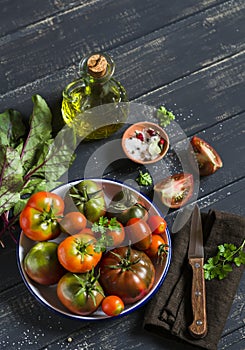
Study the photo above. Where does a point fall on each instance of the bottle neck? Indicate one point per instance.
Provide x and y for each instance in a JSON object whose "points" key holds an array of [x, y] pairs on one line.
{"points": [[97, 68]]}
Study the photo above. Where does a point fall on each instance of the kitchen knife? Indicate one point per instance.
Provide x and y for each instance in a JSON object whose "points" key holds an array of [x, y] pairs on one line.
{"points": [[198, 328]]}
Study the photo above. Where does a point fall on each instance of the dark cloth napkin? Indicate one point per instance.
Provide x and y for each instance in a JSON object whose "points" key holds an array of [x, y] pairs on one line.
{"points": [[169, 313]]}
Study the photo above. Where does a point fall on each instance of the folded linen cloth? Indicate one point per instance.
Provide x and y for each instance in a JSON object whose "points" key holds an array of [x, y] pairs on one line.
{"points": [[169, 313]]}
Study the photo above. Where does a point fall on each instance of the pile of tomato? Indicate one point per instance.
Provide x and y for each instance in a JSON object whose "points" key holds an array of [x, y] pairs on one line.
{"points": [[106, 255]]}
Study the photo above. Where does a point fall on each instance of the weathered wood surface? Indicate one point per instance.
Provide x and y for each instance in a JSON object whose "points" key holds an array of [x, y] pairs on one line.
{"points": [[187, 55]]}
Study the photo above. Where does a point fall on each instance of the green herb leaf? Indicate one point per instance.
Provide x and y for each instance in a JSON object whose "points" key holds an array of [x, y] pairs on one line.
{"points": [[220, 265], [11, 179], [60, 155], [30, 162], [12, 128], [114, 225], [165, 117], [144, 179], [39, 133], [101, 225]]}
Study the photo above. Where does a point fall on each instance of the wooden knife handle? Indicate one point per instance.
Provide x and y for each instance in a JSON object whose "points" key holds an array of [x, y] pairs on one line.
{"points": [[198, 328]]}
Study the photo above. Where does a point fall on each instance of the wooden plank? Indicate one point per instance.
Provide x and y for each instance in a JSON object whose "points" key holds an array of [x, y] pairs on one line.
{"points": [[204, 98], [59, 42], [30, 11]]}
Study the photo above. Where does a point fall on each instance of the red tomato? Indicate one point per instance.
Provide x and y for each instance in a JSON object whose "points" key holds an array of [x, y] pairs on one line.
{"points": [[158, 248], [127, 273], [112, 305], [73, 222], [139, 233], [208, 159], [77, 253], [175, 190], [157, 224], [39, 219]]}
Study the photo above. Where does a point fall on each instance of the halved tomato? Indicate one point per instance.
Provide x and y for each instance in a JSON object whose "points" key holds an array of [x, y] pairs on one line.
{"points": [[175, 190], [208, 159]]}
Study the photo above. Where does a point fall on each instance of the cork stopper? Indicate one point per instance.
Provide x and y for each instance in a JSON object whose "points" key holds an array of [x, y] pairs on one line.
{"points": [[97, 65]]}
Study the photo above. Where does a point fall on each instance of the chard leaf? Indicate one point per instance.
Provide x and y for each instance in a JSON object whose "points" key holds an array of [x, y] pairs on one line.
{"points": [[39, 133], [11, 179], [60, 155], [12, 128], [38, 184], [41, 157], [19, 206]]}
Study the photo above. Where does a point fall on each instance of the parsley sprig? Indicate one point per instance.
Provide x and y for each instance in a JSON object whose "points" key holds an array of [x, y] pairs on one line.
{"points": [[101, 227], [144, 179], [165, 117], [105, 224], [221, 264]]}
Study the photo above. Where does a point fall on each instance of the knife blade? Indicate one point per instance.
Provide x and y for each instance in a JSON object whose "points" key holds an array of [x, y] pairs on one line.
{"points": [[198, 328]]}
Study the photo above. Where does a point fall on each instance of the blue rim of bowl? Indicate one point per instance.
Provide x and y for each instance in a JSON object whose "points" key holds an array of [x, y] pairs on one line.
{"points": [[132, 308]]}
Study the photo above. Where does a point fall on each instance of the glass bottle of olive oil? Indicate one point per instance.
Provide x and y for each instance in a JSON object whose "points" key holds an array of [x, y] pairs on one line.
{"points": [[95, 87]]}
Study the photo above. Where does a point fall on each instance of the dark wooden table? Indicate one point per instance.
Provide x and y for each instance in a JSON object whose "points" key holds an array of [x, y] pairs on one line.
{"points": [[188, 55]]}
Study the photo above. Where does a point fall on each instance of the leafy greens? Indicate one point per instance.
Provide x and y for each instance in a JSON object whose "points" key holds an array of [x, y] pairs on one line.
{"points": [[31, 160]]}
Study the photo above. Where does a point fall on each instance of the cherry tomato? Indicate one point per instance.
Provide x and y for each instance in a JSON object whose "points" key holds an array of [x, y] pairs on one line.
{"points": [[77, 253], [112, 305], [80, 293], [208, 159], [73, 222], [127, 273], [157, 224], [175, 190], [158, 248], [40, 218], [117, 235], [42, 265], [139, 233]]}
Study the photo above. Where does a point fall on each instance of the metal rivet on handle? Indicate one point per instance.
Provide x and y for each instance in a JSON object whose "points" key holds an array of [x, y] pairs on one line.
{"points": [[199, 322]]}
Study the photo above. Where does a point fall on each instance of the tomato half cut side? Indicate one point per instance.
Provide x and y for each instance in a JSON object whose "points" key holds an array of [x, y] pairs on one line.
{"points": [[175, 190], [208, 159]]}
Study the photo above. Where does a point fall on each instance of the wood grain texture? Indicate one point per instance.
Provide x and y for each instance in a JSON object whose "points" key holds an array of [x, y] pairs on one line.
{"points": [[187, 55], [59, 41], [199, 326]]}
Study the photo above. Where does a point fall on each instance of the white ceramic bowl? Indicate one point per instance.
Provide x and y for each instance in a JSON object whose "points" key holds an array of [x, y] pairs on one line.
{"points": [[47, 294]]}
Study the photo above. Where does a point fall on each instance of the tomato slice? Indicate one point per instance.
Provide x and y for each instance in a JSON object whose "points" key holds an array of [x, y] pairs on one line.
{"points": [[208, 159], [175, 190]]}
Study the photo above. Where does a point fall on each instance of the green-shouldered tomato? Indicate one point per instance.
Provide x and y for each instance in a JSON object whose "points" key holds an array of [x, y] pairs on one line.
{"points": [[89, 199], [82, 294], [40, 218], [77, 253], [42, 265]]}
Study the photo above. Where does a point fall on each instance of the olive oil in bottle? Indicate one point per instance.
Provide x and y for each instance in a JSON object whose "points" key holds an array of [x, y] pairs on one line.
{"points": [[95, 87]]}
